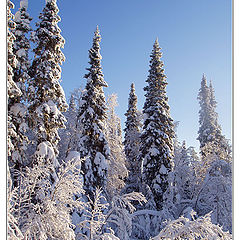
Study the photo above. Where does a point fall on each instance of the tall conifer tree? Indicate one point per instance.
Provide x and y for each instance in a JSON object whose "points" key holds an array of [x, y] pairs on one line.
{"points": [[207, 129], [13, 91], [224, 149], [92, 114], [132, 138], [21, 47], [157, 137], [210, 133], [47, 98], [12, 88], [18, 109]]}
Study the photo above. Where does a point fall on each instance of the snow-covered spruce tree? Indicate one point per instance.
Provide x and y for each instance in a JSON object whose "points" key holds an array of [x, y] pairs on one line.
{"points": [[210, 130], [47, 99], [221, 141], [21, 47], [156, 149], [132, 139], [12, 89], [206, 117], [91, 116], [117, 172], [18, 108]]}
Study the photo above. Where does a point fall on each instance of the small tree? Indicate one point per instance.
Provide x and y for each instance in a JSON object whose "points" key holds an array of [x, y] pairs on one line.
{"points": [[117, 172], [132, 139]]}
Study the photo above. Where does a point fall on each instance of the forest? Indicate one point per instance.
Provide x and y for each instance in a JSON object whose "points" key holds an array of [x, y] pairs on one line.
{"points": [[71, 171]]}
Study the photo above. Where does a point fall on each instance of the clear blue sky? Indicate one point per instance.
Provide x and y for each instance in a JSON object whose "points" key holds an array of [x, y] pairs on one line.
{"points": [[195, 37]]}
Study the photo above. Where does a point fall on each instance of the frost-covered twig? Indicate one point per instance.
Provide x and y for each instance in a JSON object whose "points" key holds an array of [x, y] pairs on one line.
{"points": [[200, 228]]}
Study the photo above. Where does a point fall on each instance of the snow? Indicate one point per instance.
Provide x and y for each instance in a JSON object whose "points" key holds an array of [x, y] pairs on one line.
{"points": [[48, 1], [99, 158], [154, 151], [17, 16], [73, 155], [21, 53], [163, 170], [45, 149], [18, 109], [109, 236], [24, 4]]}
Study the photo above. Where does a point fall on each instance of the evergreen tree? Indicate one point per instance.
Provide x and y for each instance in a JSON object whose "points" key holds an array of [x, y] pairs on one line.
{"points": [[132, 139], [17, 106], [47, 99], [157, 137], [206, 119], [12, 89], [91, 116], [221, 141], [117, 172], [21, 47], [210, 135]]}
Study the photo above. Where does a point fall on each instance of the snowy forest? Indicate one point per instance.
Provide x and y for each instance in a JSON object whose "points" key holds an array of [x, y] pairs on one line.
{"points": [[72, 173]]}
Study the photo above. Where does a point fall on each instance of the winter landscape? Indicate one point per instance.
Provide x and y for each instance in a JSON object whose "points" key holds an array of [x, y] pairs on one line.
{"points": [[76, 170]]}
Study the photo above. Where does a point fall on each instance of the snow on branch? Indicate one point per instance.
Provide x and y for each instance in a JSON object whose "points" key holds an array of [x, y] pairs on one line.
{"points": [[200, 228]]}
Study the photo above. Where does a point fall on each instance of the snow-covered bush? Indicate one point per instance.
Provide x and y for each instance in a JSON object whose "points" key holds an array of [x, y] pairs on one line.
{"points": [[45, 208], [215, 194], [119, 217], [13, 231], [95, 218], [200, 228]]}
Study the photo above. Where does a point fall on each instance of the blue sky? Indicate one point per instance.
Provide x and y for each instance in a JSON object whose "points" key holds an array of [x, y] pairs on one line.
{"points": [[195, 37]]}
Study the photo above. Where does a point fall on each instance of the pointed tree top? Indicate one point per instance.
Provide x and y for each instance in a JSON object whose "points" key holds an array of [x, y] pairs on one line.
{"points": [[49, 1], [24, 4], [204, 79], [132, 86], [210, 84], [97, 34], [156, 42], [97, 30]]}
